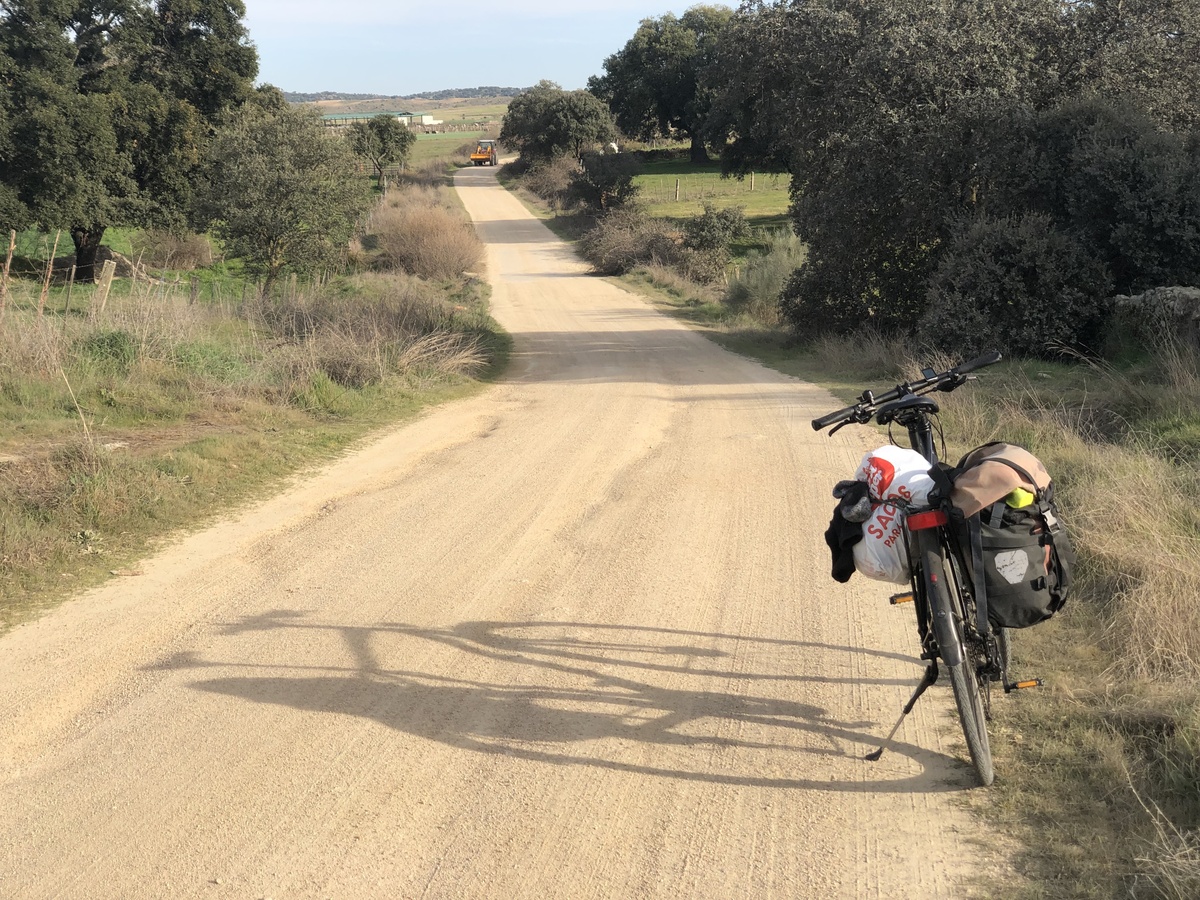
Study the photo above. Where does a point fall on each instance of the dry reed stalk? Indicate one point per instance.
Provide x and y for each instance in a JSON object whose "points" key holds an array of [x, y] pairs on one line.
{"points": [[49, 271], [82, 419]]}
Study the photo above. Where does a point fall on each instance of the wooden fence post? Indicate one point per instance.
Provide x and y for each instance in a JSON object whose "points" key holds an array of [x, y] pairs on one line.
{"points": [[70, 287], [49, 271], [103, 286], [676, 190], [12, 246]]}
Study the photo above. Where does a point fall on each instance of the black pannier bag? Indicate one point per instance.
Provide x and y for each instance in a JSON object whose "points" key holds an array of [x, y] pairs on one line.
{"points": [[1021, 558]]}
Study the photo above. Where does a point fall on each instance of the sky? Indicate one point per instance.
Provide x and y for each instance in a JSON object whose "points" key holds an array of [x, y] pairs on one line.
{"points": [[406, 47]]}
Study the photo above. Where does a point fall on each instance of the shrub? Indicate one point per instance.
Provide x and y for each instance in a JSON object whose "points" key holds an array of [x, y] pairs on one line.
{"points": [[715, 229], [1018, 285], [115, 347], [605, 181], [551, 180], [419, 235], [357, 332], [1109, 176], [756, 287], [163, 250], [706, 240], [626, 238], [1158, 315]]}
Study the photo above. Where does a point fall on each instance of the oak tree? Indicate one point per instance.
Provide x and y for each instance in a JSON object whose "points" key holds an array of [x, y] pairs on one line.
{"points": [[108, 105], [545, 122], [654, 84]]}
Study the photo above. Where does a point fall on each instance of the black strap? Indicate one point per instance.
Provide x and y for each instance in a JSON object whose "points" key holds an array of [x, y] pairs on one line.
{"points": [[978, 579], [1019, 470]]}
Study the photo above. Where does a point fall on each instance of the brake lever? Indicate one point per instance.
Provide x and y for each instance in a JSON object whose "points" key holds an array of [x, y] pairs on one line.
{"points": [[840, 425], [952, 384]]}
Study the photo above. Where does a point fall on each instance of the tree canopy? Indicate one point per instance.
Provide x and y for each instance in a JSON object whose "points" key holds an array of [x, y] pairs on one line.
{"points": [[106, 108], [654, 83], [297, 198], [546, 121], [900, 121], [383, 141]]}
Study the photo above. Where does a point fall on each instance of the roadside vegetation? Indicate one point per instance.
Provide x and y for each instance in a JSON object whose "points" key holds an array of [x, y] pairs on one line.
{"points": [[245, 298], [947, 195]]}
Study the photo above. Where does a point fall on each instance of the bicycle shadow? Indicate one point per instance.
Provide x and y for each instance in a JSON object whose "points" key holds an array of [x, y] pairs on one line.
{"points": [[592, 703]]}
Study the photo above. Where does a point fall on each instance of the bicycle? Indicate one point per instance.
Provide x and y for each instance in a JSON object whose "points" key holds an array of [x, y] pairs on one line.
{"points": [[952, 627]]}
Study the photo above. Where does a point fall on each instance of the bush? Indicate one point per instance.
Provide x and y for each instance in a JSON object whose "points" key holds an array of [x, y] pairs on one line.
{"points": [[755, 289], [1017, 285], [715, 229], [1110, 177], [419, 235], [626, 238], [605, 181], [550, 180], [1157, 316], [163, 250], [115, 347], [706, 240], [357, 332]]}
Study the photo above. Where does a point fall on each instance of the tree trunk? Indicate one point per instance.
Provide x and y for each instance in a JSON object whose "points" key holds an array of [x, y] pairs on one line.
{"points": [[699, 151], [87, 246]]}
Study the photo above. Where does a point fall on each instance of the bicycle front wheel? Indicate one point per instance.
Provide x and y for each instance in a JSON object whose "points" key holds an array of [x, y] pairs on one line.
{"points": [[946, 600]]}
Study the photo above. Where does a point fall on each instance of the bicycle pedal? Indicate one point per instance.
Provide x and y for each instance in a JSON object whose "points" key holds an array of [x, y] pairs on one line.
{"points": [[901, 598], [1022, 685]]}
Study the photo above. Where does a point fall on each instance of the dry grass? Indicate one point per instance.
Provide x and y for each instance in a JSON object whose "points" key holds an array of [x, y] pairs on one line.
{"points": [[418, 231], [163, 250], [115, 428], [1131, 509]]}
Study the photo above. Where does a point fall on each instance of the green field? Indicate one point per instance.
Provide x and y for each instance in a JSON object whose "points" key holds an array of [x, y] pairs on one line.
{"points": [[435, 146], [765, 198]]}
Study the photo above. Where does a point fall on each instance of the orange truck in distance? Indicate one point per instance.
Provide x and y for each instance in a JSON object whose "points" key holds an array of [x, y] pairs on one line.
{"points": [[485, 154]]}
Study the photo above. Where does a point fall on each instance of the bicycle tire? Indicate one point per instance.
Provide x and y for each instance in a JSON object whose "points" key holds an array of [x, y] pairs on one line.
{"points": [[964, 676]]}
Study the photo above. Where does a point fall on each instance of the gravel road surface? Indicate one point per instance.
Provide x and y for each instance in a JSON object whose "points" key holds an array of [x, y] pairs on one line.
{"points": [[572, 638]]}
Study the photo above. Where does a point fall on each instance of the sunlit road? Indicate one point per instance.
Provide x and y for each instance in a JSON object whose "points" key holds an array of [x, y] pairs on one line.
{"points": [[572, 638]]}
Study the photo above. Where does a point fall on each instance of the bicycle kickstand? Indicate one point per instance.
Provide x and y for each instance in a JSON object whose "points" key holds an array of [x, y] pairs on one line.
{"points": [[931, 674]]}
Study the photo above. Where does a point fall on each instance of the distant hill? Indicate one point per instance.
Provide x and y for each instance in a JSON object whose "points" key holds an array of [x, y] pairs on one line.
{"points": [[454, 94]]}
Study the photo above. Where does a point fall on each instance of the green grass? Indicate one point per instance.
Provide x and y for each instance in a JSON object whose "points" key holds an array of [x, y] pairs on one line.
{"points": [[766, 204], [434, 146], [203, 409]]}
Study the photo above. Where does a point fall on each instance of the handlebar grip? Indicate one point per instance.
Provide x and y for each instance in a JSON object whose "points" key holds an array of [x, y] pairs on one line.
{"points": [[832, 417], [989, 358]]}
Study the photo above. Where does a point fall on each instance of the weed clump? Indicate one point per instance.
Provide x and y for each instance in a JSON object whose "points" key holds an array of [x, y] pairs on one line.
{"points": [[417, 233], [627, 238], [755, 287]]}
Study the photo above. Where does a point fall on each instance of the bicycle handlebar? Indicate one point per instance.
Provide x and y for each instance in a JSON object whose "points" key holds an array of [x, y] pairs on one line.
{"points": [[862, 411]]}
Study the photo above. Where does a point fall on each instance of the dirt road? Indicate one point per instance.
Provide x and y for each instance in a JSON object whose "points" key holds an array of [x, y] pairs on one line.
{"points": [[573, 638]]}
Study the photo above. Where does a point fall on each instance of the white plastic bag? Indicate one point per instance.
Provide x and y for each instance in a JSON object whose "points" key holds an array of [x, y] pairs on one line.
{"points": [[891, 473]]}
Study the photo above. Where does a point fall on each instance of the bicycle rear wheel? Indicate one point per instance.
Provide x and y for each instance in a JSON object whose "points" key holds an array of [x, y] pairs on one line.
{"points": [[946, 598]]}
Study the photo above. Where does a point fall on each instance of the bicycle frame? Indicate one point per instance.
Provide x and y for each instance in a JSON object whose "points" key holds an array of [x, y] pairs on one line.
{"points": [[950, 625], [934, 607]]}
